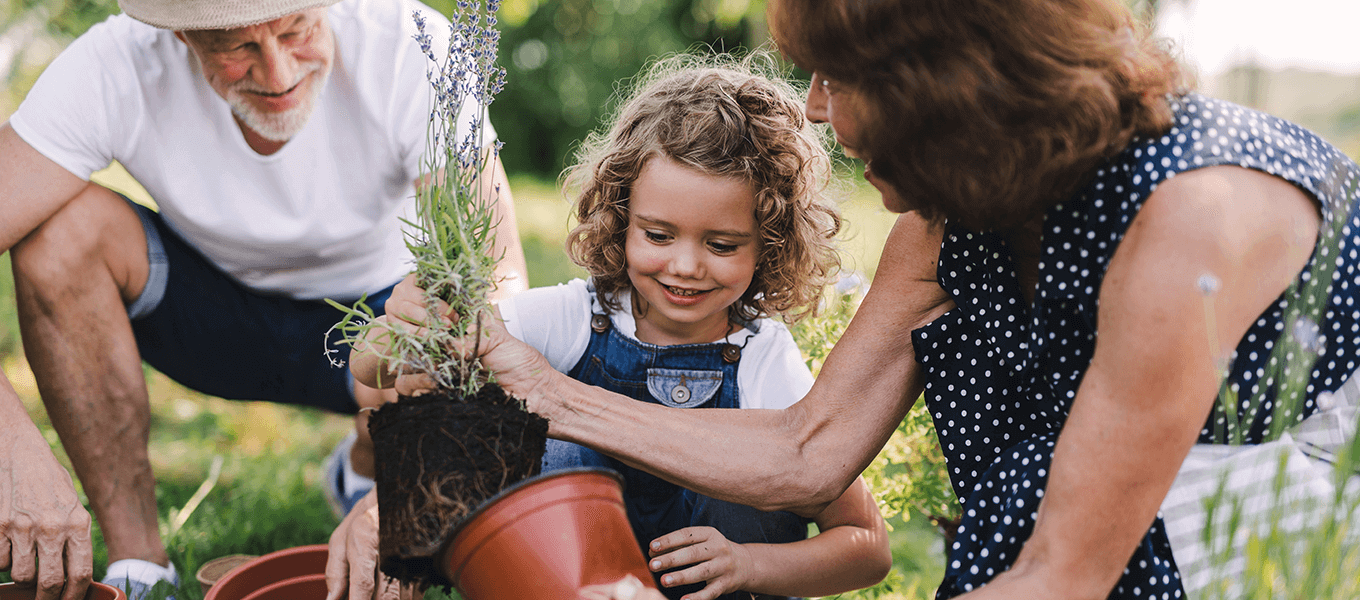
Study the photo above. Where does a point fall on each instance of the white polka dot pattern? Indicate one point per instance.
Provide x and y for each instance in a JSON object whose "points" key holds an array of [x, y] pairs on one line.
{"points": [[1001, 375]]}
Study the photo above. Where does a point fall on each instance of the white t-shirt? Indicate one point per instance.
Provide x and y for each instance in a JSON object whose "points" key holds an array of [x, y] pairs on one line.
{"points": [[556, 321], [318, 218]]}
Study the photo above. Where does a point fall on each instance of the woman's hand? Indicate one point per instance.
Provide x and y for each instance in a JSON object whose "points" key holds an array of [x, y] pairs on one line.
{"points": [[725, 565]]}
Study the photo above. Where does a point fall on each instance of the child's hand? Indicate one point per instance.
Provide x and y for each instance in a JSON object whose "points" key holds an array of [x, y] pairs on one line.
{"points": [[725, 565]]}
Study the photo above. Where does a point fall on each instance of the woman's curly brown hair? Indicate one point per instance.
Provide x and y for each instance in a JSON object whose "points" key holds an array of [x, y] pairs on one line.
{"points": [[726, 117], [985, 112]]}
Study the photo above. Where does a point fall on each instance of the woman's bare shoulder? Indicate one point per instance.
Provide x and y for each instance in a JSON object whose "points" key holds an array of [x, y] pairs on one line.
{"points": [[1233, 210]]}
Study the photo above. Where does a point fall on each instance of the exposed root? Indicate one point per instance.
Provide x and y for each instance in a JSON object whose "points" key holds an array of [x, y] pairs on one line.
{"points": [[438, 459]]}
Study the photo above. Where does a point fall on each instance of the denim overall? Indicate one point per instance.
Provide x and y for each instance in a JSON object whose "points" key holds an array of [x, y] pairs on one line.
{"points": [[684, 376]]}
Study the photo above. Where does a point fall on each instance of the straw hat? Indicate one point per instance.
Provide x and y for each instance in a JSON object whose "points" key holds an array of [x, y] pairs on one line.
{"points": [[213, 14]]}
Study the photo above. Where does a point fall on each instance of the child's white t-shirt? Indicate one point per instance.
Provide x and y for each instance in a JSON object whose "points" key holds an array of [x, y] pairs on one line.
{"points": [[320, 217], [556, 321]]}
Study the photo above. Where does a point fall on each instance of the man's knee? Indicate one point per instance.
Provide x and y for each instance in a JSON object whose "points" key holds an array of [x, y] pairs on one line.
{"points": [[97, 231]]}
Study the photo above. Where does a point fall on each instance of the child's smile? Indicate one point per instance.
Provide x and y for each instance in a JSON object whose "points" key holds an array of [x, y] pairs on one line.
{"points": [[691, 251]]}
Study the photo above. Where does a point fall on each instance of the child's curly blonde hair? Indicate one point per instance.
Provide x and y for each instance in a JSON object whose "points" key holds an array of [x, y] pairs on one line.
{"points": [[726, 117]]}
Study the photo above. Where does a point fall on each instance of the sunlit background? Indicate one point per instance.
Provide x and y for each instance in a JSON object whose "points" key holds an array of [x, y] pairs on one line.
{"points": [[1298, 59]]}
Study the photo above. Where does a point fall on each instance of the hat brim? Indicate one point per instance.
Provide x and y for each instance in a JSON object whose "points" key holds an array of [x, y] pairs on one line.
{"points": [[181, 15]]}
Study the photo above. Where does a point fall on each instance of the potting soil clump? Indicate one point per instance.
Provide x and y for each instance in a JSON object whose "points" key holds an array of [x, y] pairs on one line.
{"points": [[439, 456]]}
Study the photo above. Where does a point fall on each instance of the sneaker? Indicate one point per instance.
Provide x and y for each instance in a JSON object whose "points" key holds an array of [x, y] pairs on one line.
{"points": [[343, 487], [143, 580]]}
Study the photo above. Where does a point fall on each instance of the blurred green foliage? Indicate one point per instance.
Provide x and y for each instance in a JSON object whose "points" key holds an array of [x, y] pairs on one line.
{"points": [[563, 58], [65, 18], [9, 319]]}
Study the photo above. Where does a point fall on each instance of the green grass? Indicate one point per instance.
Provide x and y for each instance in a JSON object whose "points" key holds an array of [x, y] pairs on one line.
{"points": [[268, 495]]}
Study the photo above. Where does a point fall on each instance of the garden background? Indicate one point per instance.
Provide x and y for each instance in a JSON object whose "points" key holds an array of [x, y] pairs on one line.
{"points": [[242, 477]]}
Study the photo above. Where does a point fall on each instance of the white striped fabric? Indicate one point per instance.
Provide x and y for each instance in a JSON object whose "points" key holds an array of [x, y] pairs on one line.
{"points": [[1289, 481]]}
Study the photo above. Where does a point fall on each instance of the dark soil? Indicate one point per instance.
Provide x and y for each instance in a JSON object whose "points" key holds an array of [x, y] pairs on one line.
{"points": [[438, 458]]}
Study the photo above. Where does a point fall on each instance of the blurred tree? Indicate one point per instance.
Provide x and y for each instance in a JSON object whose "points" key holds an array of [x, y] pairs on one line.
{"points": [[70, 18], [564, 57]]}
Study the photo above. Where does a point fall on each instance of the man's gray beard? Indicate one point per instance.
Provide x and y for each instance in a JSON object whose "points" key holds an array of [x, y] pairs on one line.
{"points": [[278, 126]]}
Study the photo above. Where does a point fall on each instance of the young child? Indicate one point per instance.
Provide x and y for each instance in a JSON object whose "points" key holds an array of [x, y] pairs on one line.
{"points": [[702, 213]]}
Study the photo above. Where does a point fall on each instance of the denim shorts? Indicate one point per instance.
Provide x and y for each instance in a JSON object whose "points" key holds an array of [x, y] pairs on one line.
{"points": [[205, 330]]}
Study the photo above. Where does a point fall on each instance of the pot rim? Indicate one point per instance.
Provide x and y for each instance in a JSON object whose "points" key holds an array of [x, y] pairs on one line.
{"points": [[254, 563], [523, 483], [94, 585]]}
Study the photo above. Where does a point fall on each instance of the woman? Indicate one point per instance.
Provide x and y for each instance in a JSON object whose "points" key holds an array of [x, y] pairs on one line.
{"points": [[1055, 183]]}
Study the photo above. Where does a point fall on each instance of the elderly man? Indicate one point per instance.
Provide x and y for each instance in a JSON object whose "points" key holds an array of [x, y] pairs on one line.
{"points": [[281, 140]]}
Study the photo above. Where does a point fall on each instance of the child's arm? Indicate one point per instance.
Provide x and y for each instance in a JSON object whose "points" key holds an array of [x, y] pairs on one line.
{"points": [[850, 553]]}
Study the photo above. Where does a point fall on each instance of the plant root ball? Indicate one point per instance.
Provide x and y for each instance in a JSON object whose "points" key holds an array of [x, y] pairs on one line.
{"points": [[439, 456]]}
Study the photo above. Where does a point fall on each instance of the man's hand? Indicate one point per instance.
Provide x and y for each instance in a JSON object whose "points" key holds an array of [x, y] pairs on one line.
{"points": [[352, 567], [44, 530]]}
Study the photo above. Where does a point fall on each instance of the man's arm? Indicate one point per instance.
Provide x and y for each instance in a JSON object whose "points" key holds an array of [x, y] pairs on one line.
{"points": [[512, 270], [44, 530], [32, 188]]}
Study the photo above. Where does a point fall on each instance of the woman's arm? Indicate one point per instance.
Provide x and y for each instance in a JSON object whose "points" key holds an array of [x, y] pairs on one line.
{"points": [[850, 553], [800, 458], [1155, 372]]}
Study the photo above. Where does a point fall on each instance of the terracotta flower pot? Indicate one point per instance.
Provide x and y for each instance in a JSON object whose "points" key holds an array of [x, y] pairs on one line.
{"points": [[297, 588], [214, 570], [96, 591], [282, 570], [545, 538]]}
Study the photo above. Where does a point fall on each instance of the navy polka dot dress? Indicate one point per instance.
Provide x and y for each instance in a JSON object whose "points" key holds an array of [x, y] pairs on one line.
{"points": [[1001, 375]]}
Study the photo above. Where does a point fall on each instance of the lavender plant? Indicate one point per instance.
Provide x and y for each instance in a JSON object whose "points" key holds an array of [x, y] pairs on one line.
{"points": [[440, 455], [452, 239]]}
